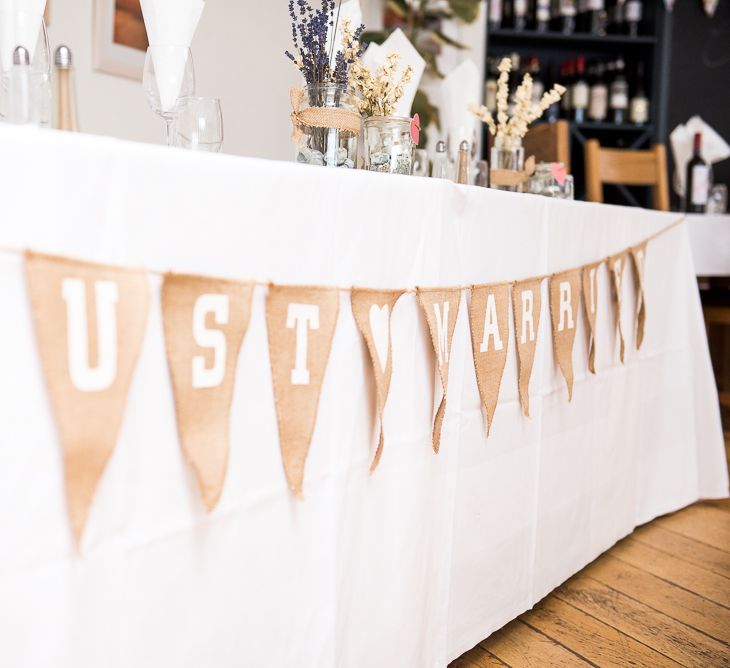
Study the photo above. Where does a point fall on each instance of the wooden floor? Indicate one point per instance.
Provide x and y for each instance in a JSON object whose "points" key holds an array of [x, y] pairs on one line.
{"points": [[660, 597]]}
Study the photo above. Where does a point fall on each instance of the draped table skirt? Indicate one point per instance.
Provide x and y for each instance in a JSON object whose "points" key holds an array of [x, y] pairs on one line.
{"points": [[409, 566]]}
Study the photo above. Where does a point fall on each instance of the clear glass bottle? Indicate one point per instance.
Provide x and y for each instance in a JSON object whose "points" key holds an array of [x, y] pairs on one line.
{"points": [[328, 146], [389, 147], [440, 168]]}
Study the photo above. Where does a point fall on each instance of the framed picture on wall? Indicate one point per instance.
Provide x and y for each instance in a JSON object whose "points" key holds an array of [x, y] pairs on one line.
{"points": [[120, 38]]}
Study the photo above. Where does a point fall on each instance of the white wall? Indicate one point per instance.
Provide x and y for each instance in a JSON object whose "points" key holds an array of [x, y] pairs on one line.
{"points": [[239, 57]]}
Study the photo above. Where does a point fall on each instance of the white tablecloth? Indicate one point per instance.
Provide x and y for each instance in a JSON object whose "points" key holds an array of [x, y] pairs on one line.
{"points": [[709, 237], [408, 567]]}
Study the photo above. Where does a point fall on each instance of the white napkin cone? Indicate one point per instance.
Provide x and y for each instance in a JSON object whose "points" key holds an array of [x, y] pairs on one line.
{"points": [[459, 89], [170, 23], [20, 22], [714, 148], [397, 42]]}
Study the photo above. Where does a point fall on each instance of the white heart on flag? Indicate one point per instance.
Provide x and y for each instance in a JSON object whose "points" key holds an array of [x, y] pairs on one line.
{"points": [[379, 321]]}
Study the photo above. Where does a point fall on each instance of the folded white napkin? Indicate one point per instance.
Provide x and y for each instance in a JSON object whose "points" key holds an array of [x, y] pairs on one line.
{"points": [[20, 22], [714, 148], [459, 89], [397, 42], [170, 23]]}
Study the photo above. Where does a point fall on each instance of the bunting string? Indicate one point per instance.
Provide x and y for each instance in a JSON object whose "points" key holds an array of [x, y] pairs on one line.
{"points": [[90, 321]]}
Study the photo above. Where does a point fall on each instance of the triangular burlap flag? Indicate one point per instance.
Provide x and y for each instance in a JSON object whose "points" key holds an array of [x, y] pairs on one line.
{"points": [[564, 304], [90, 323], [616, 265], [590, 298], [301, 323], [373, 310], [638, 253], [489, 320], [205, 320], [441, 307], [526, 301]]}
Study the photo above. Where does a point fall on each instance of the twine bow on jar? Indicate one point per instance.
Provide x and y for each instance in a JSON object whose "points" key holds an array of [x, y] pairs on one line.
{"points": [[344, 120], [511, 177]]}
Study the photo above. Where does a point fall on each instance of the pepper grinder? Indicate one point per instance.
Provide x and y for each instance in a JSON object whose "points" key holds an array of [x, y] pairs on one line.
{"points": [[65, 108], [462, 164]]}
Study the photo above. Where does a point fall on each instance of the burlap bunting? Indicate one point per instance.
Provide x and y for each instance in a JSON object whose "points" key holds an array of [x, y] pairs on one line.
{"points": [[205, 321], [441, 308], [616, 266], [90, 322], [301, 323], [372, 310], [489, 320], [565, 289], [526, 301], [338, 118], [638, 254], [590, 298]]}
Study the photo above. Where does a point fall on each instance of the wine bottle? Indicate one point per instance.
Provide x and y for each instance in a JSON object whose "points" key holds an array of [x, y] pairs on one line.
{"points": [[697, 181], [507, 13], [538, 87], [639, 105], [632, 17], [542, 15], [598, 104], [567, 10], [579, 92], [519, 11], [553, 111], [595, 17], [618, 100], [490, 87], [65, 117], [495, 15], [567, 73], [616, 18], [581, 7]]}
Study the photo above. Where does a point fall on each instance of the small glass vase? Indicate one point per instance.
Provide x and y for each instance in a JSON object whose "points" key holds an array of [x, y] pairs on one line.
{"points": [[507, 154], [389, 147], [327, 146]]}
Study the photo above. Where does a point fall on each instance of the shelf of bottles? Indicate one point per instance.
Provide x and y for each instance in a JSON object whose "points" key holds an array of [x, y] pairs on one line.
{"points": [[606, 53]]}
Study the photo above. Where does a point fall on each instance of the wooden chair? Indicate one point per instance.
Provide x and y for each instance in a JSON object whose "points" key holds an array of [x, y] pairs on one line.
{"points": [[549, 142], [627, 167]]}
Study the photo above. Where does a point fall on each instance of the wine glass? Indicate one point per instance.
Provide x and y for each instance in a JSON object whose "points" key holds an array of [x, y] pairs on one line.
{"points": [[32, 75], [199, 124], [168, 78]]}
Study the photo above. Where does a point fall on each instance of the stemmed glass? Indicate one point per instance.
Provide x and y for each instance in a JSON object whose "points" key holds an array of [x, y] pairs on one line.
{"points": [[168, 78], [199, 124], [32, 79]]}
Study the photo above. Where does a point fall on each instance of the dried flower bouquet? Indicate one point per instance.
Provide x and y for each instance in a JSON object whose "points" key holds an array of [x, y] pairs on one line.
{"points": [[378, 92], [515, 127]]}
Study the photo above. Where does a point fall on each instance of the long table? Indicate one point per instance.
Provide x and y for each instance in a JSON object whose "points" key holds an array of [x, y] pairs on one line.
{"points": [[409, 566]]}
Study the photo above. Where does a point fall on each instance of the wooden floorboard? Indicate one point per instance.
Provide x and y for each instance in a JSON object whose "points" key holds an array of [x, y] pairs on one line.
{"points": [[660, 597]]}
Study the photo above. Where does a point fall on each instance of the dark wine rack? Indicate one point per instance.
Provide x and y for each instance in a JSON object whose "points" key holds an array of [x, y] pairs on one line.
{"points": [[652, 46]]}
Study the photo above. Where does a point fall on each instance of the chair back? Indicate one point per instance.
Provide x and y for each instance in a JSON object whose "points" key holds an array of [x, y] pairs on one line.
{"points": [[549, 142], [627, 167]]}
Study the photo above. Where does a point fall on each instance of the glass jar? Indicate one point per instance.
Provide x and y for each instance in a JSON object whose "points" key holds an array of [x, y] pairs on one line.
{"points": [[507, 154], [318, 144], [551, 180], [389, 147]]}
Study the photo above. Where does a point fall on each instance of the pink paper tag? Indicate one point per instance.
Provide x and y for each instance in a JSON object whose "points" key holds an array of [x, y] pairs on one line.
{"points": [[416, 129], [559, 172]]}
